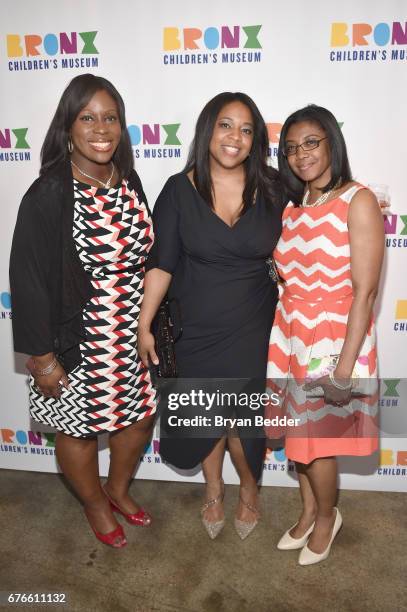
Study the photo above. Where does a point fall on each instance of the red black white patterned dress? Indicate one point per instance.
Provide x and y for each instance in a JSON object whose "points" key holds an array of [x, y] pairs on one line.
{"points": [[110, 389]]}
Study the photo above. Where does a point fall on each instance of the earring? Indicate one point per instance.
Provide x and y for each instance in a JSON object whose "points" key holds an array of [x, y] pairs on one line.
{"points": [[70, 145]]}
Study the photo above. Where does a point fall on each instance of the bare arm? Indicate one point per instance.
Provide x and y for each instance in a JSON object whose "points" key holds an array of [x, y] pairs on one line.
{"points": [[366, 237], [156, 285], [162, 262]]}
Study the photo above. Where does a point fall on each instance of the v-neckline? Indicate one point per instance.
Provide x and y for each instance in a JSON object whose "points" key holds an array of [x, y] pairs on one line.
{"points": [[214, 214]]}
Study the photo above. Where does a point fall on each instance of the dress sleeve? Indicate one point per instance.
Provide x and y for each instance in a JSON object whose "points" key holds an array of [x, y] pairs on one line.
{"points": [[29, 270], [166, 249]]}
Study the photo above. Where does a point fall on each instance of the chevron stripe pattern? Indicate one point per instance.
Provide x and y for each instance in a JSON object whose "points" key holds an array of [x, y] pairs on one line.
{"points": [[313, 257], [111, 388]]}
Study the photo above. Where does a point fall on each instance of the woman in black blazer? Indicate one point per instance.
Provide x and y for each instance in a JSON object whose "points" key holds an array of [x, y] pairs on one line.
{"points": [[77, 271]]}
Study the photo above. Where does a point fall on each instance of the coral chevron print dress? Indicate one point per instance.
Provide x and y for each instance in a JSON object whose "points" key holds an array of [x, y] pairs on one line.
{"points": [[111, 388], [313, 257]]}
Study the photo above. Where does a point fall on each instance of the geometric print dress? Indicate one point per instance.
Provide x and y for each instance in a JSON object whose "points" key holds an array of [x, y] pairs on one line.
{"points": [[313, 258], [110, 389]]}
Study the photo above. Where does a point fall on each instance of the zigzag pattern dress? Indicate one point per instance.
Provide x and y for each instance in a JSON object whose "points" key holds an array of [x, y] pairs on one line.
{"points": [[313, 257], [110, 389]]}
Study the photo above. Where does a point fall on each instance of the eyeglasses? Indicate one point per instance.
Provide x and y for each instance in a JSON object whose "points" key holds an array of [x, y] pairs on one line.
{"points": [[308, 145]]}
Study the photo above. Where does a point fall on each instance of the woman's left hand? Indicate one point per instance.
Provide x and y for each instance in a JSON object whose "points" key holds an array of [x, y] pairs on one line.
{"points": [[332, 395]]}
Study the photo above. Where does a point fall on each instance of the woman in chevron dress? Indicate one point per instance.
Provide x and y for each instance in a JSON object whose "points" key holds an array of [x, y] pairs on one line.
{"points": [[77, 271], [329, 257]]}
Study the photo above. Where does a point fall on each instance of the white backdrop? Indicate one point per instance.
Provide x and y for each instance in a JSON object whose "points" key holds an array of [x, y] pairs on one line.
{"points": [[284, 55]]}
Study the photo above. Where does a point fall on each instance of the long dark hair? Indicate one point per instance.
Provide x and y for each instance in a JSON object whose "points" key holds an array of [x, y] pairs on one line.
{"points": [[340, 168], [78, 93], [259, 176]]}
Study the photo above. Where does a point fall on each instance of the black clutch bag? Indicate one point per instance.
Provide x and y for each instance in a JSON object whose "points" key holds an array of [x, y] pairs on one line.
{"points": [[163, 330]]}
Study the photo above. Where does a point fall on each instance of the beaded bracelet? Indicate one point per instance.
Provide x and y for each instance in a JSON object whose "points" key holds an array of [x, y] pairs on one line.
{"points": [[48, 369], [337, 385]]}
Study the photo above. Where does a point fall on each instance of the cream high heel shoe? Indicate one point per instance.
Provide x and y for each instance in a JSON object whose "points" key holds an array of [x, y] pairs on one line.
{"points": [[244, 528], [308, 557], [287, 542], [213, 528]]}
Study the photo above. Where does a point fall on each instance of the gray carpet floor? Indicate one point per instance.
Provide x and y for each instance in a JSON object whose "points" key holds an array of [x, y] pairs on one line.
{"points": [[47, 545]]}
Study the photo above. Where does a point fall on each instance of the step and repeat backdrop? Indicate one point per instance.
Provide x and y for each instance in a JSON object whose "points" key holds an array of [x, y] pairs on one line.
{"points": [[168, 59]]}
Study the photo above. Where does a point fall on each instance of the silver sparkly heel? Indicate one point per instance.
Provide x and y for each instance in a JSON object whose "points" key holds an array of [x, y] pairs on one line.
{"points": [[244, 528], [213, 528]]}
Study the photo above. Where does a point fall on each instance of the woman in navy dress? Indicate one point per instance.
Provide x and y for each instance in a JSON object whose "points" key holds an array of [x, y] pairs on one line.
{"points": [[215, 224]]}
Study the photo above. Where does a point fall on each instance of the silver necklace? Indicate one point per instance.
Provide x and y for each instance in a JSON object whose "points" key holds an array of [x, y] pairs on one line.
{"points": [[106, 184]]}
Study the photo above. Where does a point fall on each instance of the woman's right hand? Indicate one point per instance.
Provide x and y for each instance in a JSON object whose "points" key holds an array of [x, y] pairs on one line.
{"points": [[146, 347], [51, 385]]}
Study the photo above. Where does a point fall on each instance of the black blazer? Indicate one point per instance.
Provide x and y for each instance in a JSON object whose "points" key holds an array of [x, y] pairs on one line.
{"points": [[49, 286]]}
